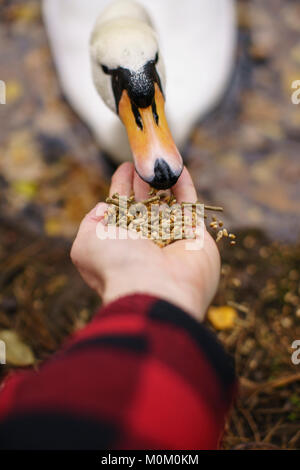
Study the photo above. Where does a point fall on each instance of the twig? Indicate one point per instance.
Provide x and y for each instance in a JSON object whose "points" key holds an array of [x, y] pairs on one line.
{"points": [[272, 431], [254, 387], [249, 418], [294, 440], [240, 307]]}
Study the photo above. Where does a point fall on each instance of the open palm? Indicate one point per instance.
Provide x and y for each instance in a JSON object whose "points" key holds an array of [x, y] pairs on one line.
{"points": [[116, 267]]}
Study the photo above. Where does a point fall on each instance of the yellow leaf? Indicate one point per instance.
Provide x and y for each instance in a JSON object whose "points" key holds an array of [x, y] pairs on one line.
{"points": [[17, 353], [25, 188], [56, 284], [222, 318], [26, 12], [53, 227], [22, 156], [14, 91], [295, 53]]}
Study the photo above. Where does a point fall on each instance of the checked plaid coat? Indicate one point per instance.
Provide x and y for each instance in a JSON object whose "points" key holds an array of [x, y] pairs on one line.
{"points": [[142, 375]]}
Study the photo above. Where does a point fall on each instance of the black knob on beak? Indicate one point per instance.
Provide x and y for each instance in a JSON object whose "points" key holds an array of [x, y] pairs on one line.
{"points": [[164, 177]]}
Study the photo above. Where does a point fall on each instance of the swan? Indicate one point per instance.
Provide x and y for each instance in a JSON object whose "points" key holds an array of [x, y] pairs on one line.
{"points": [[123, 50]]}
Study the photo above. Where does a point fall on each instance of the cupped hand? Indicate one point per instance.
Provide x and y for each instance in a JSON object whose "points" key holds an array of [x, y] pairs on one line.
{"points": [[118, 267]]}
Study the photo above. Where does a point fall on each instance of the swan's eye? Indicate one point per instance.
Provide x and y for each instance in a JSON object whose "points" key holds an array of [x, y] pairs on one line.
{"points": [[105, 69], [156, 58]]}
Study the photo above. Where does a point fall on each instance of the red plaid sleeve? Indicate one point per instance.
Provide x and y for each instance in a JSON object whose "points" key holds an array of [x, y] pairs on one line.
{"points": [[142, 375]]}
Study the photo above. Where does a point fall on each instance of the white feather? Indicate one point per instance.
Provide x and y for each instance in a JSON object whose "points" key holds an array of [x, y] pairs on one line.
{"points": [[197, 39]]}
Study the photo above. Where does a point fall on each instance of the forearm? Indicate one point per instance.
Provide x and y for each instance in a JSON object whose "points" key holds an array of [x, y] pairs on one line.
{"points": [[142, 374]]}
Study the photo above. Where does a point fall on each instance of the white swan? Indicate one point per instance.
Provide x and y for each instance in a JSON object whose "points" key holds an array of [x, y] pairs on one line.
{"points": [[197, 40]]}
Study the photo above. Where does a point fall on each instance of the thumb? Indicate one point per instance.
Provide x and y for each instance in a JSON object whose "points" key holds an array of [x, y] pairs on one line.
{"points": [[95, 215], [88, 226]]}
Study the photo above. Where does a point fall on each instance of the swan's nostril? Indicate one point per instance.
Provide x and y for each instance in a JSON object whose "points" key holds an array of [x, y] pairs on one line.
{"points": [[164, 177]]}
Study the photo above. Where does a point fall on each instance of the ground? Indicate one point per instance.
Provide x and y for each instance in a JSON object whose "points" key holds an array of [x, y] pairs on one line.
{"points": [[244, 156]]}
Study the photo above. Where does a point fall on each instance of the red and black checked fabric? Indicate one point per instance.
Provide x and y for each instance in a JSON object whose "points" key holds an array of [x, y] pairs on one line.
{"points": [[142, 375]]}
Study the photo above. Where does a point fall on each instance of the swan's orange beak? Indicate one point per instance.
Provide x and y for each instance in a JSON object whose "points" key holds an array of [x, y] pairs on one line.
{"points": [[156, 158]]}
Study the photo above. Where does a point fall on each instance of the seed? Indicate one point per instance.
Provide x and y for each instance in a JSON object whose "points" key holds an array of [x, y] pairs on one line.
{"points": [[151, 199], [219, 236], [214, 208], [139, 221], [111, 211], [112, 201], [153, 234], [162, 225], [152, 191]]}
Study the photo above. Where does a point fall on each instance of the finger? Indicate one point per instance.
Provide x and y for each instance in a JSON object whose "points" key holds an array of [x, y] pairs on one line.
{"points": [[96, 214], [140, 188], [87, 234], [91, 219], [86, 227], [184, 190], [122, 180]]}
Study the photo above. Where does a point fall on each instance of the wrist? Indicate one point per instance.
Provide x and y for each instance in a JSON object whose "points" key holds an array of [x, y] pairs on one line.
{"points": [[138, 280], [133, 280]]}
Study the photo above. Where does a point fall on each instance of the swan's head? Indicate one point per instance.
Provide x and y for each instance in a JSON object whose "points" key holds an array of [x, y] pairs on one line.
{"points": [[128, 72]]}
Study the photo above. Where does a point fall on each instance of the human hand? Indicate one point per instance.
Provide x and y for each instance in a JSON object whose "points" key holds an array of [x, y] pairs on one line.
{"points": [[118, 267]]}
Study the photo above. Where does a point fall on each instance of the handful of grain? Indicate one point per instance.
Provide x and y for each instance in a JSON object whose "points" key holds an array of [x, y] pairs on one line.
{"points": [[161, 218]]}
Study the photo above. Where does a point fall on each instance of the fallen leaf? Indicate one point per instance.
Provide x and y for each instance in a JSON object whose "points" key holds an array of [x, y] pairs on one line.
{"points": [[56, 284], [26, 13], [17, 353], [295, 53], [14, 91], [222, 318], [53, 227], [22, 156], [25, 188]]}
